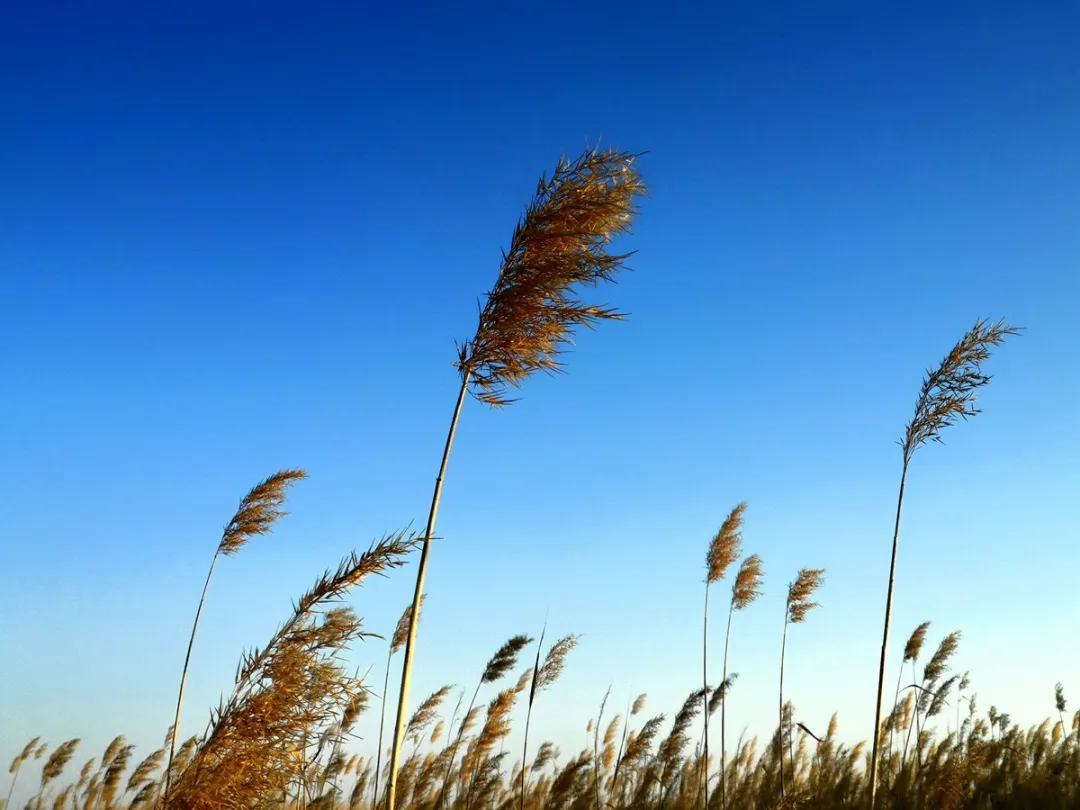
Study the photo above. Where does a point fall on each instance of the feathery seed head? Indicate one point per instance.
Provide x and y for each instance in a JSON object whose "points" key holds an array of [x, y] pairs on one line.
{"points": [[505, 658], [719, 695], [1059, 697], [425, 713], [747, 586], [948, 392], [23, 755], [725, 546], [639, 704], [258, 511], [914, 644], [936, 666], [554, 662], [54, 765], [559, 244], [401, 630], [800, 591]]}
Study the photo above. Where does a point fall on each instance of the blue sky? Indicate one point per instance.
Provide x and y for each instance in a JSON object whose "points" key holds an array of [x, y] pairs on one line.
{"points": [[241, 237]]}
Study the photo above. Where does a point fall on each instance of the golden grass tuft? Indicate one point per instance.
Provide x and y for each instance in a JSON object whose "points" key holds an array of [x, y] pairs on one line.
{"points": [[915, 642], [747, 586], [800, 592], [948, 392], [725, 546], [259, 510], [559, 244]]}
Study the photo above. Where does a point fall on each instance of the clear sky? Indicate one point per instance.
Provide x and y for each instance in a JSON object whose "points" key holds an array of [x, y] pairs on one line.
{"points": [[237, 237]]}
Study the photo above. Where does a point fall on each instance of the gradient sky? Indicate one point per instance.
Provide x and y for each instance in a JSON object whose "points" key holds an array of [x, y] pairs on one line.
{"points": [[237, 237]]}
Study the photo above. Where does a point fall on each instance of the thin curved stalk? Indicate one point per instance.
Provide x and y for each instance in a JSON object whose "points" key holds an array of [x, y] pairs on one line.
{"points": [[723, 715], [183, 677], [705, 694], [382, 721], [454, 747], [410, 643], [885, 642], [783, 651]]}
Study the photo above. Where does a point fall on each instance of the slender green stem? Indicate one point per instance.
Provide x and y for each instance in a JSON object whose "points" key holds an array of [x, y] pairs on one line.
{"points": [[382, 721], [454, 748], [723, 714], [410, 643], [705, 693], [613, 794], [885, 641], [11, 790], [783, 651], [183, 678]]}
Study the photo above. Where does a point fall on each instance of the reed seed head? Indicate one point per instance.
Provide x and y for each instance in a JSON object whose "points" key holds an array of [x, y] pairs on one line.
{"points": [[23, 755], [559, 244], [258, 511], [426, 713], [747, 586], [505, 658], [639, 704], [725, 546], [56, 762], [936, 666], [915, 642], [554, 663], [1059, 697], [948, 392], [401, 630], [801, 590], [720, 694]]}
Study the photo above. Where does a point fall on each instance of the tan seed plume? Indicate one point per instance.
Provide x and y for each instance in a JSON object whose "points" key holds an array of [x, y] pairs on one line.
{"points": [[559, 244], [56, 762], [948, 392], [726, 545], [747, 586], [259, 510], [915, 642], [401, 630], [935, 668], [800, 592]]}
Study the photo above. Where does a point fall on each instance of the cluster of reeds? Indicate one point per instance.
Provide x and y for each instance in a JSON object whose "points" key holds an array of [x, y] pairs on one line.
{"points": [[280, 738], [459, 761]]}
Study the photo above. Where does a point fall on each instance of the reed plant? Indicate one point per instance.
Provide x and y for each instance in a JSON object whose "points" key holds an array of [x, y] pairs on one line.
{"points": [[797, 607], [744, 591], [259, 510], [947, 395], [530, 315]]}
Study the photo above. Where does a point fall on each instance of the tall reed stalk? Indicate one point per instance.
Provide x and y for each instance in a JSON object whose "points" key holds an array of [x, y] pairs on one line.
{"points": [[531, 313], [744, 591], [259, 510], [798, 606], [724, 550], [947, 394], [543, 675], [504, 660], [397, 641]]}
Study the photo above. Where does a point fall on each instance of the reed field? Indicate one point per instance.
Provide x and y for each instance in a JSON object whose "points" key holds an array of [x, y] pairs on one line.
{"points": [[282, 736]]}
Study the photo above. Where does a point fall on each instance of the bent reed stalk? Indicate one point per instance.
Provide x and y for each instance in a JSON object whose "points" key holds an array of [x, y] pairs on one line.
{"points": [[530, 315], [947, 395]]}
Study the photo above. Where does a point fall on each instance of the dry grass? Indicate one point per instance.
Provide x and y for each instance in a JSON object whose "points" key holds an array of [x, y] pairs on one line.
{"points": [[279, 740], [947, 394], [266, 753], [559, 245]]}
